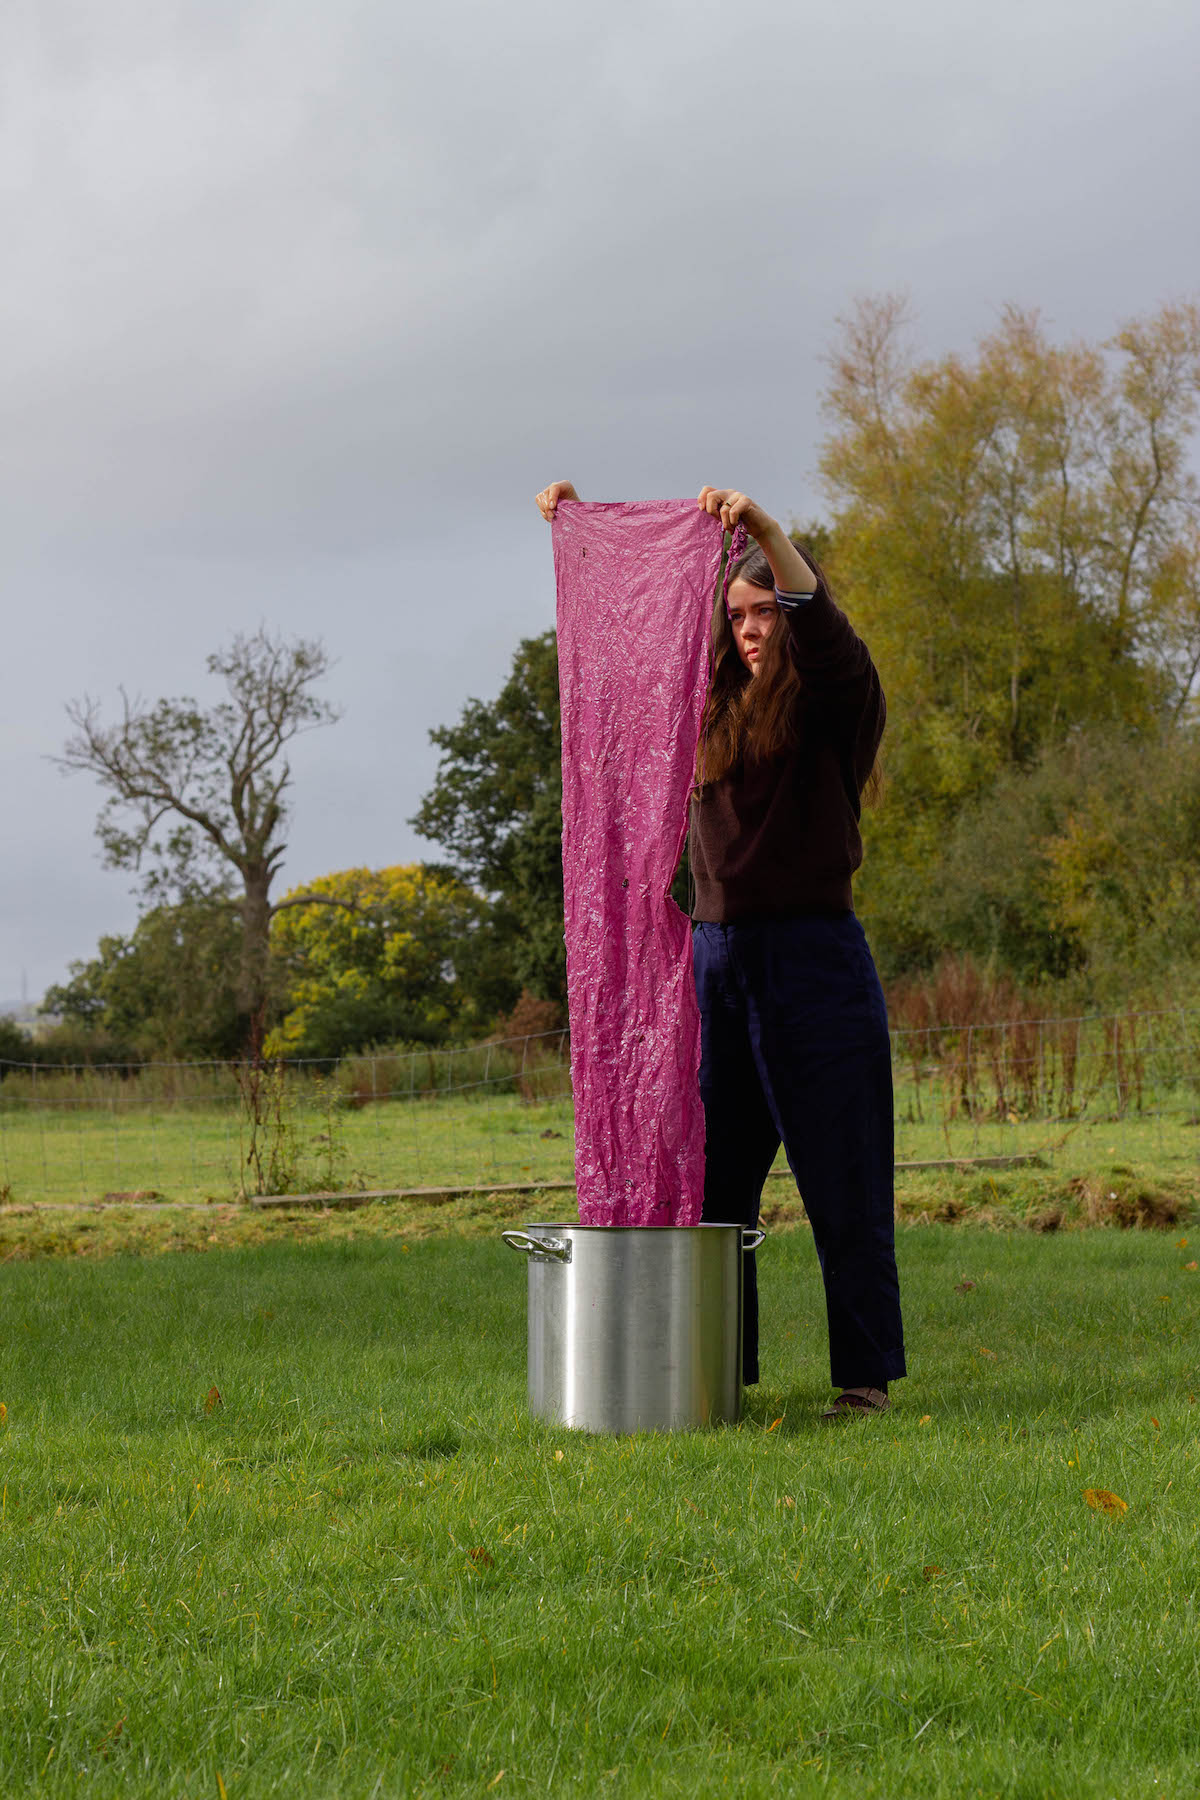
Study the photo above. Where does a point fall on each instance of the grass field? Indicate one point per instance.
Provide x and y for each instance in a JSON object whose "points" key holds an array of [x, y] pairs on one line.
{"points": [[363, 1571], [197, 1152]]}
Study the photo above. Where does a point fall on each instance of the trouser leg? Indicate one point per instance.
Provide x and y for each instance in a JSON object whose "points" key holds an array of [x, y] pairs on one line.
{"points": [[818, 1026], [740, 1136]]}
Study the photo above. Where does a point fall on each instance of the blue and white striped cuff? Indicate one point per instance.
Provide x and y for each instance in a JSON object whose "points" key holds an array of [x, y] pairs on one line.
{"points": [[789, 602]]}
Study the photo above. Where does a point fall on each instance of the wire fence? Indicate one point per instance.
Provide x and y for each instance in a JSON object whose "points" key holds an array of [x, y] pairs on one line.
{"points": [[1076, 1091]]}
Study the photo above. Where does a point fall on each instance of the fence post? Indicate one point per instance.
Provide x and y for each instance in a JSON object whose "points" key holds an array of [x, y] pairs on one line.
{"points": [[972, 1109]]}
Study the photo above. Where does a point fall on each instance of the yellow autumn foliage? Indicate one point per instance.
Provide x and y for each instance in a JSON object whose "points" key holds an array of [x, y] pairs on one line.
{"points": [[375, 960]]}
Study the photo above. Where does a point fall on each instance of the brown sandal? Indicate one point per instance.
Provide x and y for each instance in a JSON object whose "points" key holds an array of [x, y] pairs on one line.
{"points": [[856, 1406]]}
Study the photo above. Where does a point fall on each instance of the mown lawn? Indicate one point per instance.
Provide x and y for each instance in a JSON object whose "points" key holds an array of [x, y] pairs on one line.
{"points": [[362, 1570], [197, 1152], [71, 1152]]}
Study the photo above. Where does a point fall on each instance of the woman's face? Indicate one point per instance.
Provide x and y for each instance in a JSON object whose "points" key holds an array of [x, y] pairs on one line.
{"points": [[752, 616]]}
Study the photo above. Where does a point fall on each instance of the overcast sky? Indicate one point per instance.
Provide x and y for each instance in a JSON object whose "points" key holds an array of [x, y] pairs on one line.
{"points": [[302, 303]]}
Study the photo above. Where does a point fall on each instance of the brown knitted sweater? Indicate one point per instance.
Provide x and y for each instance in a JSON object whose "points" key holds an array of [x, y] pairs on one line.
{"points": [[777, 838]]}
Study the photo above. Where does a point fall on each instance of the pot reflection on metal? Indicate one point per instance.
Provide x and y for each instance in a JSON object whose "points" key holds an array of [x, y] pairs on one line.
{"points": [[635, 1328]]}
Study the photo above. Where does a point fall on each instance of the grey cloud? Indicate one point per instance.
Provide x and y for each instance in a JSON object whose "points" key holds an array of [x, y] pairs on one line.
{"points": [[304, 301]]}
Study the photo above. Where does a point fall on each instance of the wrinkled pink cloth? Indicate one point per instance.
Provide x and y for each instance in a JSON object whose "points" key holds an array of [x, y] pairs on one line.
{"points": [[635, 590]]}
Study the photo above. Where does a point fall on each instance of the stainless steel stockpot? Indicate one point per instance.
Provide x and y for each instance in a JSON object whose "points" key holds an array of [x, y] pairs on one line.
{"points": [[635, 1328]]}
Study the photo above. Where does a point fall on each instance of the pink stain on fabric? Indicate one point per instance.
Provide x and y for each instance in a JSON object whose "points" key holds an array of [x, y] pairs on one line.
{"points": [[635, 591]]}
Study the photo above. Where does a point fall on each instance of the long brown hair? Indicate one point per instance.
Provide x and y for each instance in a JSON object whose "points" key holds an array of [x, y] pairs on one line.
{"points": [[745, 716], [753, 717]]}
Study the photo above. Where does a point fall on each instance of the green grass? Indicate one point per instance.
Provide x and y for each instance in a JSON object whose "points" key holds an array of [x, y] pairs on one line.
{"points": [[196, 1152], [367, 1572]]}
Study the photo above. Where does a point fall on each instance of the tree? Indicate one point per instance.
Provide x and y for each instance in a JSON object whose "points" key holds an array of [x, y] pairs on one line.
{"points": [[1124, 864], [1088, 863], [1015, 533], [495, 809], [405, 958], [197, 793], [1171, 624], [170, 988], [15, 1044]]}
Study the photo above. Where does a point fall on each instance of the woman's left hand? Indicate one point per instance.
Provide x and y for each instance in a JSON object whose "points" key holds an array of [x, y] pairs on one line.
{"points": [[792, 574], [735, 508]]}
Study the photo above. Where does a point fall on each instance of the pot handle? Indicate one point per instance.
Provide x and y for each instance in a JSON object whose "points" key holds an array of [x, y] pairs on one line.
{"points": [[752, 1237], [553, 1249]]}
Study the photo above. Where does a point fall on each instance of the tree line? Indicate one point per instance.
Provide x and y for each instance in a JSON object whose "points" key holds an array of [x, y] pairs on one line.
{"points": [[1016, 534]]}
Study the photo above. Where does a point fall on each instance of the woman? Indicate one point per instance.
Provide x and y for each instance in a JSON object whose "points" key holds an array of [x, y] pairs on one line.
{"points": [[794, 1031]]}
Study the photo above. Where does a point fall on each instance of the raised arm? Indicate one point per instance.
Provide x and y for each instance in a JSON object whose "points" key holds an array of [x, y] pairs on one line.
{"points": [[792, 574]]}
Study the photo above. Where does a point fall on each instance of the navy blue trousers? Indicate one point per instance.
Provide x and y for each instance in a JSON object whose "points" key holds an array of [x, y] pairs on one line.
{"points": [[794, 1049]]}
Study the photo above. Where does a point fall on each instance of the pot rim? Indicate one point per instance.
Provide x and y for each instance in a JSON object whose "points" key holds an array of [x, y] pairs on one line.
{"points": [[655, 1230]]}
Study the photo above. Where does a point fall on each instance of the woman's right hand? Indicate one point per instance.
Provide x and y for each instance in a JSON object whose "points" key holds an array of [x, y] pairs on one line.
{"points": [[550, 496]]}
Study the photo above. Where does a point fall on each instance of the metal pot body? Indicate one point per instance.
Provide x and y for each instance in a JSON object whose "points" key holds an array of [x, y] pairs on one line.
{"points": [[635, 1328]]}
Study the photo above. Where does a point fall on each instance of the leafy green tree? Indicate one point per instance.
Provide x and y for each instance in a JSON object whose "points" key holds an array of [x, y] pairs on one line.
{"points": [[170, 987], [14, 1043], [495, 809], [1015, 534], [1125, 861], [404, 957], [994, 894], [1087, 864]]}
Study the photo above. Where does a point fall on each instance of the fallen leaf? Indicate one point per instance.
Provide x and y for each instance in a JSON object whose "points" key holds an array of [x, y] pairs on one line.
{"points": [[984, 1352], [496, 1780], [3, 1415], [481, 1559], [774, 1422], [788, 1501], [1181, 1244], [1155, 1423], [1191, 1267], [110, 1735], [558, 1456], [1101, 1500], [924, 1419], [932, 1570], [963, 1287], [212, 1400]]}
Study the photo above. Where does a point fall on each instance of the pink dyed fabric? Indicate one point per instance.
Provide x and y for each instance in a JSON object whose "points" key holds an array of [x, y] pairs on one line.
{"points": [[635, 589]]}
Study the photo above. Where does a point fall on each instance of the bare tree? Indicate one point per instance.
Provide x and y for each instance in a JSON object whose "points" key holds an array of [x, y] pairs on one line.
{"points": [[196, 794]]}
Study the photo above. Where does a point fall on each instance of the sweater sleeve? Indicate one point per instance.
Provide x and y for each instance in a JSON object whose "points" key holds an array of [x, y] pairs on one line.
{"points": [[836, 668]]}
